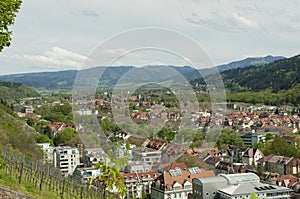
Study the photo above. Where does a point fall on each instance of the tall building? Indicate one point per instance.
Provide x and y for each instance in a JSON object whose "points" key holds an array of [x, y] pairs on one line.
{"points": [[233, 186], [66, 159]]}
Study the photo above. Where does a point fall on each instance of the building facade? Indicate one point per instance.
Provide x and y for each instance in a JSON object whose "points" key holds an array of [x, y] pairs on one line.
{"points": [[148, 156], [233, 186], [138, 184], [252, 138], [48, 152], [66, 159], [93, 155], [176, 183]]}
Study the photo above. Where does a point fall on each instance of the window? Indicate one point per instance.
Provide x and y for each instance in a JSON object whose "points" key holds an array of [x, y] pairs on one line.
{"points": [[188, 186]]}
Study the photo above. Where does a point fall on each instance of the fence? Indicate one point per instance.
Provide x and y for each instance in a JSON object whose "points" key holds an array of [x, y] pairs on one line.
{"points": [[46, 177]]}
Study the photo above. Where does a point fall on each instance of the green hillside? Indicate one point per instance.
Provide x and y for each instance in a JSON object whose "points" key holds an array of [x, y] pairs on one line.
{"points": [[277, 76], [276, 83], [12, 90], [15, 133]]}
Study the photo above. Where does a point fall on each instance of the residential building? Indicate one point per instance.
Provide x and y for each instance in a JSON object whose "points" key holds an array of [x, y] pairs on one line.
{"points": [[280, 164], [137, 166], [66, 159], [48, 152], [233, 186], [251, 156], [177, 182], [57, 127], [26, 109], [93, 155], [155, 144], [85, 174], [139, 183], [252, 138], [148, 156]]}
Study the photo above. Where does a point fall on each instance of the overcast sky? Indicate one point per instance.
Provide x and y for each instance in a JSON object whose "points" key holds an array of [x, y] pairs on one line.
{"points": [[60, 34]]}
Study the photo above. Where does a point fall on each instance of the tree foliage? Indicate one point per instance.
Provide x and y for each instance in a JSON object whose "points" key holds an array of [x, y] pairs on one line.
{"points": [[66, 135], [57, 113], [110, 177], [8, 10], [167, 134], [13, 91], [30, 122], [229, 136], [42, 138], [281, 147], [254, 196]]}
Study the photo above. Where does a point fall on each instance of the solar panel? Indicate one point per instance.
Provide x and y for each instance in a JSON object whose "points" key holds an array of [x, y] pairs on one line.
{"points": [[175, 172], [257, 188], [194, 170], [271, 187]]}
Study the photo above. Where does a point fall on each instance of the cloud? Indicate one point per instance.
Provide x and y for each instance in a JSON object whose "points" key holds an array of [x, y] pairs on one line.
{"points": [[226, 22], [242, 21], [55, 58], [86, 13], [115, 52]]}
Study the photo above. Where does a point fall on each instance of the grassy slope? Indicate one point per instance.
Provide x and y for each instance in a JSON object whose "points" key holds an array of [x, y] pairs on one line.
{"points": [[15, 133], [25, 188]]}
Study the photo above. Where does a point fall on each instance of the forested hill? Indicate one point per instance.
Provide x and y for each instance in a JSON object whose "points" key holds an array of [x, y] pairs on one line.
{"points": [[250, 61], [276, 83], [278, 76], [12, 91], [65, 79], [15, 133], [44, 80]]}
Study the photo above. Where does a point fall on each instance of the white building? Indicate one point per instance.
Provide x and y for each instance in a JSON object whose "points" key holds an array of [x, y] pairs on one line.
{"points": [[233, 186], [137, 166], [48, 152], [93, 155], [66, 159], [176, 183], [138, 183], [148, 156], [85, 174]]}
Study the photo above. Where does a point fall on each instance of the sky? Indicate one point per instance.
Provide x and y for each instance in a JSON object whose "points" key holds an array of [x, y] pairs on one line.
{"points": [[53, 35]]}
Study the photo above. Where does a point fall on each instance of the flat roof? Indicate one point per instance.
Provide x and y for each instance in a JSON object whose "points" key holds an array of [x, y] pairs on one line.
{"points": [[248, 188]]}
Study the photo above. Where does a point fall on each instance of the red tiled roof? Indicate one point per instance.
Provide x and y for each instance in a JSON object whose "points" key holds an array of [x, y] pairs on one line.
{"points": [[168, 181], [148, 175], [173, 165]]}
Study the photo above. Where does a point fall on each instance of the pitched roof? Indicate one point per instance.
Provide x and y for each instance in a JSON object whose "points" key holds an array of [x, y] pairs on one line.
{"points": [[173, 165], [140, 176], [167, 180]]}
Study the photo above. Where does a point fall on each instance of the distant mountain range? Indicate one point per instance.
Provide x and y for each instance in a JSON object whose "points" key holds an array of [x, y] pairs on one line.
{"points": [[65, 79], [250, 61]]}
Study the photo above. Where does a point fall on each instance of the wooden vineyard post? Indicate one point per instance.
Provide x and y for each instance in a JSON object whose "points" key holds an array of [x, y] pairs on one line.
{"points": [[41, 181], [21, 172], [62, 190]]}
